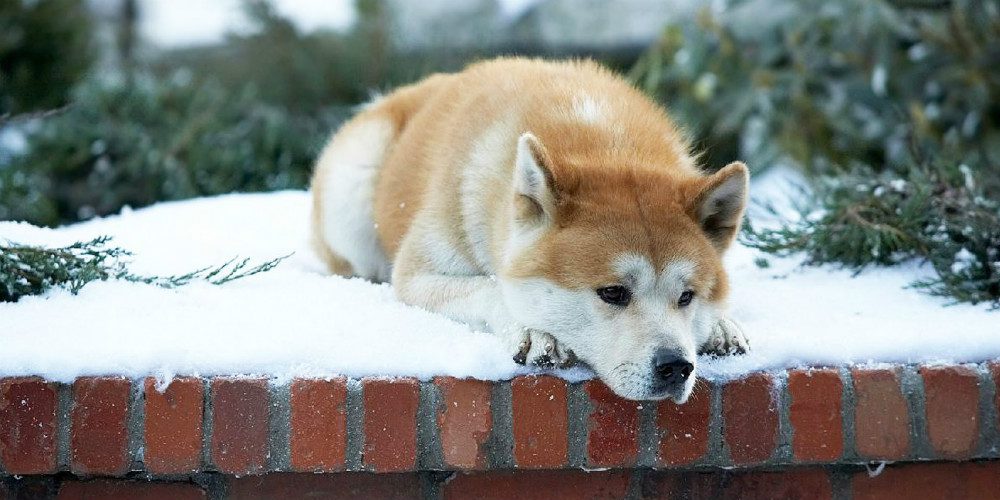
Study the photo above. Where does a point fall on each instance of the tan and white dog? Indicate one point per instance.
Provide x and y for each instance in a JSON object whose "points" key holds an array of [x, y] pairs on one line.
{"points": [[548, 202]]}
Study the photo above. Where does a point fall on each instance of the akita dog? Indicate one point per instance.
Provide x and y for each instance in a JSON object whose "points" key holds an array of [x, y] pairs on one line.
{"points": [[548, 202]]}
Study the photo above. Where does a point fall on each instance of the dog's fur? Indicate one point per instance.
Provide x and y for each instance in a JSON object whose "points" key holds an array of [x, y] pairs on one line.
{"points": [[505, 195]]}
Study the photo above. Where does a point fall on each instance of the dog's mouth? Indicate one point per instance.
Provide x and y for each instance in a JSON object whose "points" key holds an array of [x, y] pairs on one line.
{"points": [[638, 382], [645, 390], [644, 381], [677, 394]]}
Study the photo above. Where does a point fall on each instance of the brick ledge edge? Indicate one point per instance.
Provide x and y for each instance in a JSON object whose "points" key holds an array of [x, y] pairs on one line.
{"points": [[822, 417]]}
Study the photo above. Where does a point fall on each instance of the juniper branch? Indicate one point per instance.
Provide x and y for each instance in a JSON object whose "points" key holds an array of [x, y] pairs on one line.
{"points": [[33, 270]]}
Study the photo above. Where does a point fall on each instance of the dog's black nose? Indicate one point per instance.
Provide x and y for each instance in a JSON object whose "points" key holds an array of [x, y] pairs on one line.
{"points": [[670, 367]]}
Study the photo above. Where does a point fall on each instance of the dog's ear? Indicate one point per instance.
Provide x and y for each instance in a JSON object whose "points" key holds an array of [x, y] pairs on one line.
{"points": [[720, 204], [534, 186]]}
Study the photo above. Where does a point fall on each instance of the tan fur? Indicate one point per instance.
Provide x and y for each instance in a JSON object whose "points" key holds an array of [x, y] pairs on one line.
{"points": [[613, 174], [447, 213], [438, 135], [396, 109]]}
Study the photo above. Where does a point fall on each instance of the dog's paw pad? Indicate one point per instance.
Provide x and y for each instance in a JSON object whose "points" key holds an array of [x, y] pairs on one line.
{"points": [[727, 338]]}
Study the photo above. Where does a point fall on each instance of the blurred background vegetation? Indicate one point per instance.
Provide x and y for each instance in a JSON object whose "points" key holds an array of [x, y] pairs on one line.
{"points": [[890, 108]]}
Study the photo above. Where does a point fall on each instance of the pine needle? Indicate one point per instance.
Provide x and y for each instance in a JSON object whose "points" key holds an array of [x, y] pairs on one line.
{"points": [[33, 270]]}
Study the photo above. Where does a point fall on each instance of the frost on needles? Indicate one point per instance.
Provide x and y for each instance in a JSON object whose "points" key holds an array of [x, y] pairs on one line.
{"points": [[33, 270]]}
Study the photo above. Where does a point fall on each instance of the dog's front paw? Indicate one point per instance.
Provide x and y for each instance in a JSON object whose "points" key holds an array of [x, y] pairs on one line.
{"points": [[727, 338], [542, 350]]}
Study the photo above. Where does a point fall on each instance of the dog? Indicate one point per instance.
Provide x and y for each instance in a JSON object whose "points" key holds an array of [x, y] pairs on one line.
{"points": [[549, 202]]}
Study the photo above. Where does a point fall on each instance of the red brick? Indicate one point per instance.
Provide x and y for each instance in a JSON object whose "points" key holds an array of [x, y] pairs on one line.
{"points": [[668, 485], [684, 428], [750, 413], [337, 486], [240, 420], [881, 416], [465, 421], [815, 413], [319, 424], [390, 424], [537, 485], [982, 479], [908, 481], [174, 426], [540, 422], [806, 484], [799, 484], [98, 434], [952, 409], [995, 374], [930, 481], [103, 489], [663, 484], [613, 432], [28, 425]]}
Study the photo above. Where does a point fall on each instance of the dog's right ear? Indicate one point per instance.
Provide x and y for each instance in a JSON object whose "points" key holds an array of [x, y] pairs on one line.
{"points": [[534, 185], [720, 205]]}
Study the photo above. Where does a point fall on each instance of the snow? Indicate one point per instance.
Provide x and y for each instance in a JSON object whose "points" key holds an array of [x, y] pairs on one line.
{"points": [[879, 79], [291, 321], [513, 9], [185, 23], [13, 141], [964, 260], [181, 23], [296, 321]]}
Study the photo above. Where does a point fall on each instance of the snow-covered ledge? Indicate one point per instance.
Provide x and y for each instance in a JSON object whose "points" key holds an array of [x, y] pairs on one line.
{"points": [[444, 407], [296, 321], [836, 421]]}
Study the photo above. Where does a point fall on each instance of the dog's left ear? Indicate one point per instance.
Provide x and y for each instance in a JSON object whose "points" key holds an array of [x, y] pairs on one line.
{"points": [[720, 204], [534, 185]]}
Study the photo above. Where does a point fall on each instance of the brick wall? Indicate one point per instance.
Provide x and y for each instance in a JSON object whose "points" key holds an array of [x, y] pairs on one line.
{"points": [[797, 432]]}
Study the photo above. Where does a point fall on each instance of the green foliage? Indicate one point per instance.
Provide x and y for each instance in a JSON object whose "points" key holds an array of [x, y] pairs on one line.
{"points": [[857, 219], [893, 108], [833, 85], [302, 72], [248, 115], [866, 218], [46, 46], [27, 270], [33, 270], [149, 140]]}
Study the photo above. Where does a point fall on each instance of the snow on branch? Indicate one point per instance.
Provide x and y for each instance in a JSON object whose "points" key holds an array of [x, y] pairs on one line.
{"points": [[33, 270]]}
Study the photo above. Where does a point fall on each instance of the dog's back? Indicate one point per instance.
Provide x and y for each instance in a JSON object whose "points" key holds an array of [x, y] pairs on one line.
{"points": [[446, 145]]}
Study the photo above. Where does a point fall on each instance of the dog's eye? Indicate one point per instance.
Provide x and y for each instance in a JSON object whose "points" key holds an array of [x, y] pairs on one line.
{"points": [[615, 295], [685, 298]]}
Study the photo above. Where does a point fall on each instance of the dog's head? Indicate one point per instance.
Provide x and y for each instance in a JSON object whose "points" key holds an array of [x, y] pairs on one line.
{"points": [[622, 265]]}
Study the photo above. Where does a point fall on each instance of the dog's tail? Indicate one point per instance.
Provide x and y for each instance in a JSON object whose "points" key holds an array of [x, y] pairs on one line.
{"points": [[344, 177]]}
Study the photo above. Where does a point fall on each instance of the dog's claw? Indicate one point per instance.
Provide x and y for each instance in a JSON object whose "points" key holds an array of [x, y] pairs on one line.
{"points": [[727, 339], [569, 360], [521, 356], [544, 361]]}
